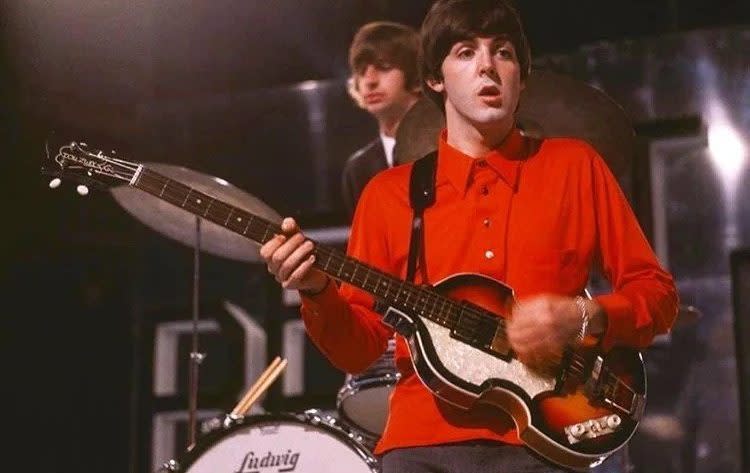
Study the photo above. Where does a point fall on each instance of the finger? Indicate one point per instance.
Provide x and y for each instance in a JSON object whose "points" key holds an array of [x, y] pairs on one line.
{"points": [[299, 273], [294, 259], [269, 247], [289, 225], [283, 252]]}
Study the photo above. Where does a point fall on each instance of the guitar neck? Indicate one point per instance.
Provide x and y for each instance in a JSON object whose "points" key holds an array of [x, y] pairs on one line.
{"points": [[395, 292]]}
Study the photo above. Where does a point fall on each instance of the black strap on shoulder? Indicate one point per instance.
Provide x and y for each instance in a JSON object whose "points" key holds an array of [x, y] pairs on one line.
{"points": [[421, 196]]}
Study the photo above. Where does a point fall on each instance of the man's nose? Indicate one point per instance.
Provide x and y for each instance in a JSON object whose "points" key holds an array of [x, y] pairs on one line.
{"points": [[484, 62], [370, 75]]}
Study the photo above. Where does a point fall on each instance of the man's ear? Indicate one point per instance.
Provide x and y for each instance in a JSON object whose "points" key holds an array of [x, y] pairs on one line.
{"points": [[436, 85], [353, 90]]}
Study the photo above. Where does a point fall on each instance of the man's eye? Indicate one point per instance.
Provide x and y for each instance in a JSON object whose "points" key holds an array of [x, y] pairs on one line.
{"points": [[506, 53], [465, 53]]}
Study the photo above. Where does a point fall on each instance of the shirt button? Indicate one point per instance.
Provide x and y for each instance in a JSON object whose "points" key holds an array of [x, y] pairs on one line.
{"points": [[489, 254], [486, 222], [482, 163], [484, 190]]}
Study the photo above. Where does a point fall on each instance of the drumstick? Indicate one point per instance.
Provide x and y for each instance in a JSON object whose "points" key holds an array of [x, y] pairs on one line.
{"points": [[264, 385], [242, 406], [269, 369]]}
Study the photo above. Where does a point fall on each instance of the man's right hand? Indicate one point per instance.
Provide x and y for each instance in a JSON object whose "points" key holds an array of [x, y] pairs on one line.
{"points": [[290, 260]]}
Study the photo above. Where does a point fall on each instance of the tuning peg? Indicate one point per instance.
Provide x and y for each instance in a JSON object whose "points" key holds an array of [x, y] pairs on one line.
{"points": [[82, 190], [55, 183]]}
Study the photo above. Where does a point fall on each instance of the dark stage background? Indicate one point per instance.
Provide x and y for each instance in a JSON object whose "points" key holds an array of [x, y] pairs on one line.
{"points": [[253, 92]]}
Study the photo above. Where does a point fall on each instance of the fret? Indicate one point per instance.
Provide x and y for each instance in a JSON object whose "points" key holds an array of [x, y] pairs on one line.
{"points": [[433, 310], [354, 272], [247, 225], [231, 209], [338, 270], [187, 196], [208, 207], [161, 193], [445, 311], [400, 291]]}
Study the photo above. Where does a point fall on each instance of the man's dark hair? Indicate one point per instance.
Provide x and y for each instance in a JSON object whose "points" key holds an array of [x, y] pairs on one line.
{"points": [[451, 21], [386, 42]]}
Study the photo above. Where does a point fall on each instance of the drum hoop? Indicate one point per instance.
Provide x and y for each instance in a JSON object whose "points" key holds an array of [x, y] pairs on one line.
{"points": [[354, 387], [371, 437], [204, 443]]}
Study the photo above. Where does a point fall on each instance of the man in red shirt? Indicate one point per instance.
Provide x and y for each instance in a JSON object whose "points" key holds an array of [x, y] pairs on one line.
{"points": [[535, 215]]}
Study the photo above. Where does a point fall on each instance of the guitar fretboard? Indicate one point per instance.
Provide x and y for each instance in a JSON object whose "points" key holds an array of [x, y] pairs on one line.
{"points": [[475, 324]]}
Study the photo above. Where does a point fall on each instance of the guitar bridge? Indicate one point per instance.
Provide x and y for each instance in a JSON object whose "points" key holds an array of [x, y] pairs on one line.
{"points": [[592, 428]]}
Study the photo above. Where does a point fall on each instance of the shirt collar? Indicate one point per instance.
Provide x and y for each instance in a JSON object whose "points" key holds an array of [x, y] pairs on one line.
{"points": [[456, 167]]}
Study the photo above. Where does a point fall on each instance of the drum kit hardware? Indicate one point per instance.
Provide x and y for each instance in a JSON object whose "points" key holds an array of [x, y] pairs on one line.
{"points": [[315, 441], [202, 235]]}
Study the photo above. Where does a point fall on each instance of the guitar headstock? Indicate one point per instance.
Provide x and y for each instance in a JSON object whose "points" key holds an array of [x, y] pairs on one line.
{"points": [[76, 161]]}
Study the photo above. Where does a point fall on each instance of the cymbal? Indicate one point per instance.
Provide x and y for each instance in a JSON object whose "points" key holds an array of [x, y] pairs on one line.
{"points": [[551, 105], [417, 134], [560, 106], [179, 224]]}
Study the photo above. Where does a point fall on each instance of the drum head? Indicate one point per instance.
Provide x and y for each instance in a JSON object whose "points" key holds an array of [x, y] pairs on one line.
{"points": [[266, 444], [363, 399], [367, 408]]}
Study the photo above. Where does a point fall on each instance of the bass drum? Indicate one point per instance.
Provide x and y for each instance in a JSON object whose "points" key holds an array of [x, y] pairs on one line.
{"points": [[363, 399], [304, 443]]}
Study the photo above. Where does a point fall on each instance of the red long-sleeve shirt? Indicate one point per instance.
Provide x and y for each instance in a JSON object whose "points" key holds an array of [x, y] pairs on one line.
{"points": [[536, 220]]}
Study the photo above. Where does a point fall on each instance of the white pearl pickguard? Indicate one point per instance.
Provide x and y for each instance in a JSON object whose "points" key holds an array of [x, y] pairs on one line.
{"points": [[476, 366]]}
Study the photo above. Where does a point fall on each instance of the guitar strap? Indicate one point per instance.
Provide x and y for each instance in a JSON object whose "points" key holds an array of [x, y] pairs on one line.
{"points": [[421, 196]]}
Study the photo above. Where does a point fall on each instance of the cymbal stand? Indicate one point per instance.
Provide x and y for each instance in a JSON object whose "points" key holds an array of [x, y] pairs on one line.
{"points": [[195, 356]]}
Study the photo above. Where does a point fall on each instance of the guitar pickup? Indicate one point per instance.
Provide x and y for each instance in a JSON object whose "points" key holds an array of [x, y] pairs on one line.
{"points": [[469, 329], [500, 344], [479, 333]]}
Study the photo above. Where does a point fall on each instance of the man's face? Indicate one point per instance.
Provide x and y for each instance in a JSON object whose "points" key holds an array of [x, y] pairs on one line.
{"points": [[481, 83], [382, 87]]}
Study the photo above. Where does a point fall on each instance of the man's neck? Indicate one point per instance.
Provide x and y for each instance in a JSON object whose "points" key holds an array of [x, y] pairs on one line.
{"points": [[474, 141], [388, 123], [388, 127]]}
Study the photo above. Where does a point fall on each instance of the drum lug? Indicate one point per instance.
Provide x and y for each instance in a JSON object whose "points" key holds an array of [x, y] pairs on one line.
{"points": [[171, 465], [231, 419]]}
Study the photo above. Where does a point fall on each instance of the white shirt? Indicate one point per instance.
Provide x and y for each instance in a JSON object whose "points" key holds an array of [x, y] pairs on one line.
{"points": [[388, 144]]}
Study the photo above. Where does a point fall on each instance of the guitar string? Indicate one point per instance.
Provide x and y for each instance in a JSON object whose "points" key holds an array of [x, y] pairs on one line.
{"points": [[453, 312], [452, 315]]}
